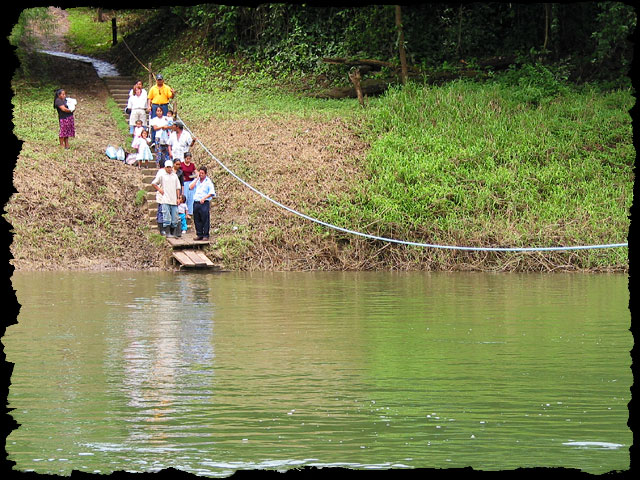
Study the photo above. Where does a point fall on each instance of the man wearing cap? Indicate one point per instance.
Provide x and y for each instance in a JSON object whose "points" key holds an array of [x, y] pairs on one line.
{"points": [[159, 96], [168, 191], [204, 192]]}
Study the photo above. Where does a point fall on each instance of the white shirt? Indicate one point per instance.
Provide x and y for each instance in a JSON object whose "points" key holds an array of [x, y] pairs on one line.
{"points": [[180, 145], [170, 185], [203, 188], [162, 136], [137, 101]]}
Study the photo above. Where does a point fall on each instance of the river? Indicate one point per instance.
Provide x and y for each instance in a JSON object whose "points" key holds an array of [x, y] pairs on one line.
{"points": [[215, 373]]}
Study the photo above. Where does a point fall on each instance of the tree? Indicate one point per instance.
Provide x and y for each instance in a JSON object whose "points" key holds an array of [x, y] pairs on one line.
{"points": [[403, 55]]}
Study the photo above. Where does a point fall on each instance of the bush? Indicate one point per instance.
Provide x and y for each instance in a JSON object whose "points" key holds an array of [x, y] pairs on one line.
{"points": [[535, 82]]}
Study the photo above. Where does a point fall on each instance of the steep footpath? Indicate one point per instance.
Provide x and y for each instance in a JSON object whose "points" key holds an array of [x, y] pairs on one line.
{"points": [[187, 251]]}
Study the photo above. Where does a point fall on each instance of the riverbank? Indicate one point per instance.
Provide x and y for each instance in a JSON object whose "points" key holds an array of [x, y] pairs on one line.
{"points": [[375, 170]]}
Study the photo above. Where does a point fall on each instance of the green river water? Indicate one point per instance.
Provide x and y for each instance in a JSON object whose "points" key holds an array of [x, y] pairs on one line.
{"points": [[215, 373]]}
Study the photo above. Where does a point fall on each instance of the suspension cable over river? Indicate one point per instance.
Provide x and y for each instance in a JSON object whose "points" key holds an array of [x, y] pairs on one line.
{"points": [[392, 240]]}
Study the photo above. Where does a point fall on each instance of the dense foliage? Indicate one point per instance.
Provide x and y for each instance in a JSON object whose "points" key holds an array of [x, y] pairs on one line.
{"points": [[591, 40]]}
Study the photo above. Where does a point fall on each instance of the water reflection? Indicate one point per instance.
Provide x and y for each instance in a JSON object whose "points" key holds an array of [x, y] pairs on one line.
{"points": [[215, 373], [167, 358]]}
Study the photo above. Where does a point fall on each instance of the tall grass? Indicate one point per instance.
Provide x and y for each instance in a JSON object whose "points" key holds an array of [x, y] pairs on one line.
{"points": [[473, 164], [216, 88], [86, 35]]}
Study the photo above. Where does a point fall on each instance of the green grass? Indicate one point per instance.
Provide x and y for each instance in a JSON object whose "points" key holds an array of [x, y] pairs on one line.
{"points": [[474, 164], [470, 163], [86, 35], [119, 118], [34, 107], [214, 88]]}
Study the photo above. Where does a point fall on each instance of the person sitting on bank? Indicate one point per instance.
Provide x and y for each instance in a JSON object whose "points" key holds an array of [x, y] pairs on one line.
{"points": [[204, 192]]}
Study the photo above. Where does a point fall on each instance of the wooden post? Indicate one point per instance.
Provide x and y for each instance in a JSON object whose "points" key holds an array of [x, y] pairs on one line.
{"points": [[355, 77], [403, 55], [114, 30]]}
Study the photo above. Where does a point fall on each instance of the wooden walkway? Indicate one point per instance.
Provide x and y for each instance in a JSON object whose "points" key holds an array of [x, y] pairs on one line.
{"points": [[187, 251]]}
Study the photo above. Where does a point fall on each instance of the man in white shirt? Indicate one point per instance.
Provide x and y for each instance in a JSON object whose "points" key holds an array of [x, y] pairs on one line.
{"points": [[168, 190], [180, 141]]}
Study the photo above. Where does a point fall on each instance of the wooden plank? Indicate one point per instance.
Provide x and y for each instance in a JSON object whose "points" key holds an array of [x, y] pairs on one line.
{"points": [[204, 258], [186, 240], [184, 259], [195, 258]]}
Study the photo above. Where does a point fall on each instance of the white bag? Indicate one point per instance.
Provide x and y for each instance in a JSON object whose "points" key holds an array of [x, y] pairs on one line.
{"points": [[111, 152], [120, 155], [71, 103], [146, 153]]}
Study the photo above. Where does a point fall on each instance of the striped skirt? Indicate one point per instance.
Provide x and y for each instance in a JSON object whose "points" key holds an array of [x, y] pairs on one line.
{"points": [[67, 127]]}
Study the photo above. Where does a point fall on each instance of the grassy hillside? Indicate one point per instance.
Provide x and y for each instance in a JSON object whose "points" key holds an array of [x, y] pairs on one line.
{"points": [[520, 160]]}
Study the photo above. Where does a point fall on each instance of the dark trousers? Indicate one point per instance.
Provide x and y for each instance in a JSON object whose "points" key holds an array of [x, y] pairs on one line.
{"points": [[201, 218]]}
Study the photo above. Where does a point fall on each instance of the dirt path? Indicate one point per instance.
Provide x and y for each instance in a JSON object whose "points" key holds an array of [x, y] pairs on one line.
{"points": [[55, 40]]}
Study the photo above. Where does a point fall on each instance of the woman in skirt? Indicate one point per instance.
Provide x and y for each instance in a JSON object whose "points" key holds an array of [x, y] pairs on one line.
{"points": [[65, 116]]}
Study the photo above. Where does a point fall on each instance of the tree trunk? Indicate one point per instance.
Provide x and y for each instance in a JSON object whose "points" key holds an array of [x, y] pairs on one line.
{"points": [[403, 55], [114, 31], [459, 30], [547, 23], [355, 77]]}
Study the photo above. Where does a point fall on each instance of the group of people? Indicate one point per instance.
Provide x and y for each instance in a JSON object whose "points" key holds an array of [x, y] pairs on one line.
{"points": [[182, 190], [179, 199], [165, 135]]}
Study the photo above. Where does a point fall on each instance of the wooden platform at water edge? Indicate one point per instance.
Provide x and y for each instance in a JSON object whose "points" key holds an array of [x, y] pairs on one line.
{"points": [[187, 251]]}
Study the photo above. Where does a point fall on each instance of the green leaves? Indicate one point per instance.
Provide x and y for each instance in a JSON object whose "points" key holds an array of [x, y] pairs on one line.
{"points": [[449, 161]]}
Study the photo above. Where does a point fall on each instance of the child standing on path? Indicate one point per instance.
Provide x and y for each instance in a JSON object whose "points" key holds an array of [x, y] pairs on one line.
{"points": [[141, 144], [190, 174], [137, 132], [183, 213]]}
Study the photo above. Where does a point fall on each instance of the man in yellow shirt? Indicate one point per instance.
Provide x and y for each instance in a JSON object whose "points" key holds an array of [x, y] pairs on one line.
{"points": [[159, 96]]}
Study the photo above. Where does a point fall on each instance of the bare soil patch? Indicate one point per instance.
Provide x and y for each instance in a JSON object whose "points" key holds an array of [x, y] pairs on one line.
{"points": [[294, 161], [54, 40]]}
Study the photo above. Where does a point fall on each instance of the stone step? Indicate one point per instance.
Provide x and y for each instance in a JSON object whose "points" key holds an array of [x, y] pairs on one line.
{"points": [[119, 80]]}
